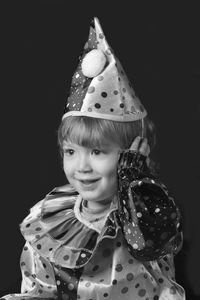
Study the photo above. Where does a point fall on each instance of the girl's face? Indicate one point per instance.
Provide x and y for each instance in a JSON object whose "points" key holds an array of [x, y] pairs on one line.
{"points": [[92, 171]]}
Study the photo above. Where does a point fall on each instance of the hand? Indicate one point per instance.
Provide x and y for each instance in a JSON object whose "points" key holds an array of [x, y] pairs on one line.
{"points": [[141, 144]]}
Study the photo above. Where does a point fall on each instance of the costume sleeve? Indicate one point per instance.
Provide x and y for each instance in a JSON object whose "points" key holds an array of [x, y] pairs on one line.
{"points": [[149, 217], [38, 280]]}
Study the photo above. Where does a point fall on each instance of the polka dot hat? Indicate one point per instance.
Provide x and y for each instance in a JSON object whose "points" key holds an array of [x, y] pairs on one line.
{"points": [[100, 87]]}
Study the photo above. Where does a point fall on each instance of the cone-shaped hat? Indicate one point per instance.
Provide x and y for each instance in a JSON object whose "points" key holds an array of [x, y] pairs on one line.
{"points": [[100, 87]]}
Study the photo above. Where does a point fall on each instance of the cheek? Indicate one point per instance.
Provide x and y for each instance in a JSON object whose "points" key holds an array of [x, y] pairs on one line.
{"points": [[110, 170], [110, 180], [68, 168]]}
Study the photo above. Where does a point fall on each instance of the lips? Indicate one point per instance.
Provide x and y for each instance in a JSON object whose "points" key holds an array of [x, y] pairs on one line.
{"points": [[88, 181]]}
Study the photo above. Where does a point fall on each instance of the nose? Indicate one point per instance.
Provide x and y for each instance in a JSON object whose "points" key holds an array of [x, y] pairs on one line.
{"points": [[84, 165]]}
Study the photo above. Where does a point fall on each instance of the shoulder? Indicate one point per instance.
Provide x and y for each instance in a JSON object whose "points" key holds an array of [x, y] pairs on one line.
{"points": [[58, 199]]}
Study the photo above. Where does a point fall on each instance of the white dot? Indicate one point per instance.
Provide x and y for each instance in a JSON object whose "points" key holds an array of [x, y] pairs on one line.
{"points": [[58, 282], [83, 255], [157, 210], [77, 76], [139, 214], [129, 231], [135, 246], [152, 181]]}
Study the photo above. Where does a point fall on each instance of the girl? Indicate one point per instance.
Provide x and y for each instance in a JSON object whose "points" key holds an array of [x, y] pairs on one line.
{"points": [[112, 232]]}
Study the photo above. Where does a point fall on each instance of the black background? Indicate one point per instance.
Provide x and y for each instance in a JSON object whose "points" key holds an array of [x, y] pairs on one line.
{"points": [[158, 46]]}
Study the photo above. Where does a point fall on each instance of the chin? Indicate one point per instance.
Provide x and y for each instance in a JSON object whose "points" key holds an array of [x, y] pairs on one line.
{"points": [[95, 197], [89, 196]]}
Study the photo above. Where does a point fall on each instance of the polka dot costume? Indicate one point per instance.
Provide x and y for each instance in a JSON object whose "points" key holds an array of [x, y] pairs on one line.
{"points": [[148, 213], [100, 87], [131, 257]]}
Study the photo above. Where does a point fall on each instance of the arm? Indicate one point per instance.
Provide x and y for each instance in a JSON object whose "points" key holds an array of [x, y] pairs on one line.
{"points": [[149, 218], [38, 280]]}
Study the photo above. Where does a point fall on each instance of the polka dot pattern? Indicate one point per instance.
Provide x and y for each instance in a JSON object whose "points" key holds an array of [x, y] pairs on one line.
{"points": [[124, 290], [112, 269], [95, 268], [130, 276], [142, 292], [96, 80], [119, 268], [91, 89], [67, 282], [66, 257], [27, 274], [97, 105], [104, 94], [160, 235]]}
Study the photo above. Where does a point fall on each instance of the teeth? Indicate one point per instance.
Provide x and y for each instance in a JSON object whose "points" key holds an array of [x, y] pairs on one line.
{"points": [[89, 181]]}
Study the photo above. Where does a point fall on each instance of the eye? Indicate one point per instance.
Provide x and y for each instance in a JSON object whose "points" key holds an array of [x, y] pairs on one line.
{"points": [[68, 152], [96, 152]]}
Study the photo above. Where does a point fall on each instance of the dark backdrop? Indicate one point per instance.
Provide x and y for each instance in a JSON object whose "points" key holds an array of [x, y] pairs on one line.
{"points": [[158, 47]]}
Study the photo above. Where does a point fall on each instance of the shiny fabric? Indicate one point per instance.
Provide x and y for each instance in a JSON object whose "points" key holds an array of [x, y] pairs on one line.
{"points": [[67, 257], [108, 94]]}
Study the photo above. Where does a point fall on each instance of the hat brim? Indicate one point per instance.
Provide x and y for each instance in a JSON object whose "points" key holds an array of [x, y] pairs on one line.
{"points": [[118, 118]]}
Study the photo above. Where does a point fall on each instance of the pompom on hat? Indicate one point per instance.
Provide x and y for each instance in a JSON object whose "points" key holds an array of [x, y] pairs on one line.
{"points": [[100, 87]]}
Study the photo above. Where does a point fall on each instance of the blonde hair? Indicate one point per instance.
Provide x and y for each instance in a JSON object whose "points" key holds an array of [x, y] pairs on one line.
{"points": [[93, 132]]}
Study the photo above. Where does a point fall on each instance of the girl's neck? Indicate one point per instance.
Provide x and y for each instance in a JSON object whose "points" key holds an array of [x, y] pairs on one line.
{"points": [[93, 217], [97, 207]]}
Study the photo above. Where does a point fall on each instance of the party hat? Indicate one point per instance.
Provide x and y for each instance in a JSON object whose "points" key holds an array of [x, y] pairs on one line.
{"points": [[100, 87]]}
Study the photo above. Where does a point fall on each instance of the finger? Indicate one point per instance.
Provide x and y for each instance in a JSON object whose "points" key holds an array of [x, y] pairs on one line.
{"points": [[144, 148], [135, 144], [147, 151]]}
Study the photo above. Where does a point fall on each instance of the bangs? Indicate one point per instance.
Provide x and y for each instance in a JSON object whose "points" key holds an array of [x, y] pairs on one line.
{"points": [[88, 132], [92, 132]]}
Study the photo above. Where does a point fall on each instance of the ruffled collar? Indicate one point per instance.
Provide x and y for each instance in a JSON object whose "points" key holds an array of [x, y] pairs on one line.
{"points": [[56, 229]]}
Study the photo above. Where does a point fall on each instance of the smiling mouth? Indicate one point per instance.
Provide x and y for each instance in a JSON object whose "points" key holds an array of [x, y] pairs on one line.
{"points": [[87, 182]]}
